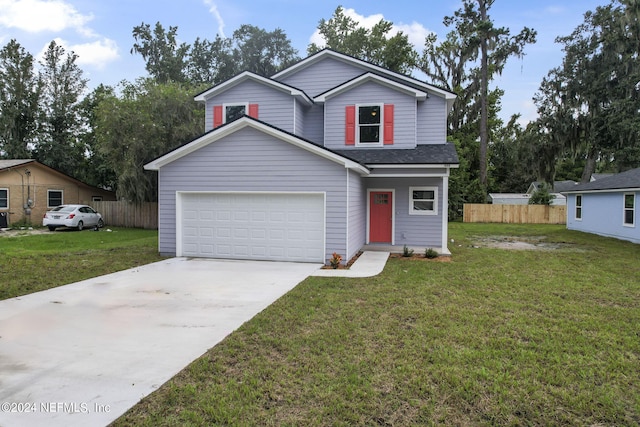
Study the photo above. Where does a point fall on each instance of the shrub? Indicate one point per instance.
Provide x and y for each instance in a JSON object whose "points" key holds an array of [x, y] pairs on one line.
{"points": [[335, 260], [406, 252], [431, 253]]}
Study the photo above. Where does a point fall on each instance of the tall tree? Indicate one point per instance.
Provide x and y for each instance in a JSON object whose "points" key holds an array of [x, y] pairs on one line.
{"points": [[146, 120], [474, 40], [210, 62], [165, 58], [588, 106], [59, 144], [343, 34], [20, 89], [262, 52]]}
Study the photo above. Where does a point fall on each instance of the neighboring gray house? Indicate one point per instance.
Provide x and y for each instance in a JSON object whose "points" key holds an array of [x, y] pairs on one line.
{"points": [[607, 206], [328, 155]]}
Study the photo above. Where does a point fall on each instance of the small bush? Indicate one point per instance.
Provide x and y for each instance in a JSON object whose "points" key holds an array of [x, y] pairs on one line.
{"points": [[335, 260], [431, 253], [406, 252]]}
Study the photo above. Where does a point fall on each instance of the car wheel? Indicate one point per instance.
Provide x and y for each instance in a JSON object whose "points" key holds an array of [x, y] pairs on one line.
{"points": [[80, 225], [100, 223], [52, 228]]}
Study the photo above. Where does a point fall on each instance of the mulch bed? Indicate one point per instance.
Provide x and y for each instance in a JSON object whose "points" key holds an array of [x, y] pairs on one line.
{"points": [[414, 257]]}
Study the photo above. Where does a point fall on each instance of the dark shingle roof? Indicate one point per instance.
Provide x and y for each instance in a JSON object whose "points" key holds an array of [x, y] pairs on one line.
{"points": [[620, 181], [422, 154]]}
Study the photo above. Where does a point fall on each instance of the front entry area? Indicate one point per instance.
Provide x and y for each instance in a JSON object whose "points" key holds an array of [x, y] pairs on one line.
{"points": [[381, 216]]}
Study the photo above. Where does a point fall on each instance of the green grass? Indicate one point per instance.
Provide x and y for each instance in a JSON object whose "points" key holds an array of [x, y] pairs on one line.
{"points": [[495, 337], [31, 263]]}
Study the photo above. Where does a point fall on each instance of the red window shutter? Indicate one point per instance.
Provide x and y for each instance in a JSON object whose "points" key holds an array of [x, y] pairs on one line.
{"points": [[253, 110], [350, 128], [217, 115], [388, 124]]}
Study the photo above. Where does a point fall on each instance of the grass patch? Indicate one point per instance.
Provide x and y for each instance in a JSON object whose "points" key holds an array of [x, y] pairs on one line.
{"points": [[31, 263], [496, 337]]}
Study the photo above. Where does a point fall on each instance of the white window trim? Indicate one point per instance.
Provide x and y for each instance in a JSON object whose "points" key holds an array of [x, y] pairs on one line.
{"points": [[575, 211], [8, 199], [435, 201], [49, 198], [625, 209], [234, 104], [380, 142]]}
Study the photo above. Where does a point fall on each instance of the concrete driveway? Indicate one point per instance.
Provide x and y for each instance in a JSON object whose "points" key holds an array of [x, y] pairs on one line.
{"points": [[83, 354]]}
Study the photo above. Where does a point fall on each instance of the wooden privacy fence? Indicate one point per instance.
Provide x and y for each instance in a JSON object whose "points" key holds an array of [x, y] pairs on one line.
{"points": [[515, 214], [132, 215]]}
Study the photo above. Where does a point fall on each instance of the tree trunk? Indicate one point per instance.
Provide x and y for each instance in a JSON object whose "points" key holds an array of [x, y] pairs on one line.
{"points": [[484, 94], [589, 168]]}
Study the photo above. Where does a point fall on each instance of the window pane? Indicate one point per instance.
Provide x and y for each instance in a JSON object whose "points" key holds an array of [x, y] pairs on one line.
{"points": [[369, 133], [578, 200], [628, 217], [234, 112], [579, 213], [369, 115], [4, 199], [423, 195], [422, 206], [55, 198], [628, 201]]}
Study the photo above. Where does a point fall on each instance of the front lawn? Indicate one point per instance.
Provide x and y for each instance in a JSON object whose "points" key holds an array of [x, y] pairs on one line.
{"points": [[495, 337], [36, 260]]}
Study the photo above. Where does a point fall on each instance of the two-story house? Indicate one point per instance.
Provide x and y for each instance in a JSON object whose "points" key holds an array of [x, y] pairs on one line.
{"points": [[326, 156]]}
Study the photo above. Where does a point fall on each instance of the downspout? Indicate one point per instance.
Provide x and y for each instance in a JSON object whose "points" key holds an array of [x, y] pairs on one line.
{"points": [[445, 213]]}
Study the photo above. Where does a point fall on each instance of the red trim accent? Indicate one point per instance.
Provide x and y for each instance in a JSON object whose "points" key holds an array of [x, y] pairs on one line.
{"points": [[388, 124], [253, 110], [350, 125], [217, 115]]}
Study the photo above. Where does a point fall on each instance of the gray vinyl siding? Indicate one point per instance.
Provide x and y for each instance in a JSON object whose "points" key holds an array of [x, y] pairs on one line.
{"points": [[249, 160], [314, 124], [413, 230], [299, 120], [357, 216], [404, 128], [274, 106], [432, 121], [322, 76]]}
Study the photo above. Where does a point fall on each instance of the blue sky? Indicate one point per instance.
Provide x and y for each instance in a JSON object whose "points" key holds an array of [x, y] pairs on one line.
{"points": [[99, 31]]}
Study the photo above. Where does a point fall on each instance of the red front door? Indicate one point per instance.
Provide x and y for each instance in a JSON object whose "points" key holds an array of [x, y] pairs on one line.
{"points": [[380, 217]]}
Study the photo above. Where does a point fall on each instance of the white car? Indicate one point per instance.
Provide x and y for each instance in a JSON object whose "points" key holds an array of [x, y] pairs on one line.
{"points": [[73, 216]]}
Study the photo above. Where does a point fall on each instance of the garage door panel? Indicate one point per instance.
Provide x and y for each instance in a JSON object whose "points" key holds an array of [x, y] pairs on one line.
{"points": [[283, 226]]}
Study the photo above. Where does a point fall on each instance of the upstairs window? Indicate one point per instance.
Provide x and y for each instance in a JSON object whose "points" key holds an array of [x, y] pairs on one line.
{"points": [[234, 111], [629, 209], [369, 125], [229, 112]]}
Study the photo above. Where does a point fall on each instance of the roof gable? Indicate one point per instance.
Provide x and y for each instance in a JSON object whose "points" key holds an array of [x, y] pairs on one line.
{"points": [[247, 75], [370, 77], [246, 121], [367, 67]]}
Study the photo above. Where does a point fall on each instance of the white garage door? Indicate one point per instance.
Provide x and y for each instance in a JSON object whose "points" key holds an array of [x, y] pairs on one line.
{"points": [[260, 226]]}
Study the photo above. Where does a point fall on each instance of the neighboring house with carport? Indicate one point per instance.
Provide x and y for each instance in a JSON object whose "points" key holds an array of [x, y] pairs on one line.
{"points": [[29, 188], [607, 206], [327, 156]]}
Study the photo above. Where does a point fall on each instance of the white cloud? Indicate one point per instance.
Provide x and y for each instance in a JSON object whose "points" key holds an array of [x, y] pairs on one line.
{"points": [[36, 16], [95, 54], [415, 31], [213, 9]]}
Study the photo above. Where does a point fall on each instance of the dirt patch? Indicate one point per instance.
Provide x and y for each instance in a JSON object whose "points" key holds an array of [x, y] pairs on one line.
{"points": [[23, 231], [520, 243], [421, 257]]}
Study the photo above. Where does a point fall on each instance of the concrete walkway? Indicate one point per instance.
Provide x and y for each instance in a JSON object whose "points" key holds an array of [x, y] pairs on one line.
{"points": [[368, 264], [83, 354]]}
